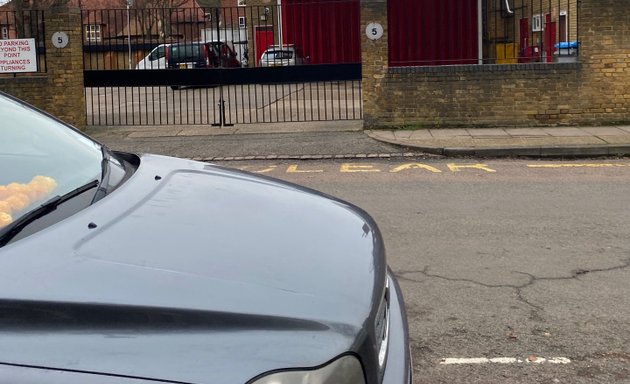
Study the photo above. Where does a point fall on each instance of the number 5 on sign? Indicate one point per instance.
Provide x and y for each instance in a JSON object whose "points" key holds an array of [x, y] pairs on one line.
{"points": [[60, 39], [374, 31]]}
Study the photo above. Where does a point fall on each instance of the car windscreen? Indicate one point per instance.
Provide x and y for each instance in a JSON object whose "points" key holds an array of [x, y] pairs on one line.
{"points": [[183, 53], [278, 55], [40, 158], [158, 53]]}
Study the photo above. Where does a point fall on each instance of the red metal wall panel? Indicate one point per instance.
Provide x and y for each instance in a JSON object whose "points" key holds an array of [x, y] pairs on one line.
{"points": [[326, 30], [432, 32]]}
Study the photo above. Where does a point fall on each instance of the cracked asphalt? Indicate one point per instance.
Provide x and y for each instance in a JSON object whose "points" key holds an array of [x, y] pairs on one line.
{"points": [[517, 265]]}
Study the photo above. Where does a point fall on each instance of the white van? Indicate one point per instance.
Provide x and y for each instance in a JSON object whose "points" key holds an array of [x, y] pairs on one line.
{"points": [[154, 60]]}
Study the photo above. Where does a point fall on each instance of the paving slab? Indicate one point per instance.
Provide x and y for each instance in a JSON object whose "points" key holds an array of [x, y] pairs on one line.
{"points": [[423, 134], [442, 133], [484, 132], [621, 139], [526, 132], [566, 132], [407, 134], [605, 131]]}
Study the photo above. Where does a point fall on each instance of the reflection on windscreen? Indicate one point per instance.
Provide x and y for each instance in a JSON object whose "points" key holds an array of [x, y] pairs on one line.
{"points": [[16, 197], [40, 158]]}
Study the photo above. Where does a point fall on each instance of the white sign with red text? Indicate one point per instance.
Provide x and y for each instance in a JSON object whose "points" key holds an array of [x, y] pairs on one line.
{"points": [[18, 55]]}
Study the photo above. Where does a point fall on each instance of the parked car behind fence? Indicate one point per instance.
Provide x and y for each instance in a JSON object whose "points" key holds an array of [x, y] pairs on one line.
{"points": [[282, 56]]}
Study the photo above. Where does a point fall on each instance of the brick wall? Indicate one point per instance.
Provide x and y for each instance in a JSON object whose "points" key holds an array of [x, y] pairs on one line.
{"points": [[60, 90], [594, 91]]}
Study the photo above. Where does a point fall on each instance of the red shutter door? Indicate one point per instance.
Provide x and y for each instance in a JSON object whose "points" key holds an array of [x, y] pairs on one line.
{"points": [[432, 32], [326, 31]]}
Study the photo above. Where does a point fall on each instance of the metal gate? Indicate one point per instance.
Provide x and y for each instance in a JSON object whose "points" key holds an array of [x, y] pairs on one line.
{"points": [[244, 88]]}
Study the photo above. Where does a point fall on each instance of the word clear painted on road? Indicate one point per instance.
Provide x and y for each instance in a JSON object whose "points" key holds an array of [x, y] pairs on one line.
{"points": [[372, 168], [505, 360], [18, 55]]}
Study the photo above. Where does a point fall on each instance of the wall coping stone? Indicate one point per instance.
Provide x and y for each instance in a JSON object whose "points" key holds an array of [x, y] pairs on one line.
{"points": [[25, 79], [486, 68]]}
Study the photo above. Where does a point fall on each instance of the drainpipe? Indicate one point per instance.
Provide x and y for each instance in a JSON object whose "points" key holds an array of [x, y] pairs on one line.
{"points": [[508, 8], [480, 32], [280, 22], [129, 4]]}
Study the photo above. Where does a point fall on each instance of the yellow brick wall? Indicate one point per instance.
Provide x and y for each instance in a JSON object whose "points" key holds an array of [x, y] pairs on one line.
{"points": [[593, 91]]}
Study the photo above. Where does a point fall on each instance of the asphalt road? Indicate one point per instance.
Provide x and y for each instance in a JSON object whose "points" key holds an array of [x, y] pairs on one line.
{"points": [[513, 271]]}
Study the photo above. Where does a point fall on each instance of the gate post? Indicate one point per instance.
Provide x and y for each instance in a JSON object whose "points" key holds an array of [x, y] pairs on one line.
{"points": [[374, 57], [65, 66]]}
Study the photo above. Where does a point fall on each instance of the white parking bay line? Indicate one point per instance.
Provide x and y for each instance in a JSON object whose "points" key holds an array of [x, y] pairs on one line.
{"points": [[505, 360]]}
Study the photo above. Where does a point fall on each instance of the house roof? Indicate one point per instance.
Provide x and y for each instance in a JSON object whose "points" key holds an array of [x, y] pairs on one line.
{"points": [[209, 3]]}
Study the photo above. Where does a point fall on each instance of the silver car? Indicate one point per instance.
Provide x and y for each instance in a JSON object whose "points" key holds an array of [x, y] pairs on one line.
{"points": [[122, 268], [282, 56]]}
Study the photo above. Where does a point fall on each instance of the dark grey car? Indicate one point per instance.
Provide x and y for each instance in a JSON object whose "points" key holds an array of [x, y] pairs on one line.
{"points": [[123, 268]]}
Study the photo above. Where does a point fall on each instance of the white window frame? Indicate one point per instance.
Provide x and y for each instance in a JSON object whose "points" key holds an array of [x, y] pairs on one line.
{"points": [[242, 22], [241, 3], [93, 32], [538, 22], [5, 33]]}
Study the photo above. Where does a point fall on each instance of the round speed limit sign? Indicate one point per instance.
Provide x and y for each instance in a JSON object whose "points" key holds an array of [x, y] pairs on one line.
{"points": [[374, 31]]}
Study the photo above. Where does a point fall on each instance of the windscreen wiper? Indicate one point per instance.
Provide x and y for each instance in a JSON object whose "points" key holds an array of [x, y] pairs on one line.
{"points": [[105, 172], [16, 227]]}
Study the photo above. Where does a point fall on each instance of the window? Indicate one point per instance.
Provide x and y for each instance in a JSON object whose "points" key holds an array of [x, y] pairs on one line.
{"points": [[5, 33], [563, 26], [242, 22], [537, 23], [241, 3], [93, 32]]}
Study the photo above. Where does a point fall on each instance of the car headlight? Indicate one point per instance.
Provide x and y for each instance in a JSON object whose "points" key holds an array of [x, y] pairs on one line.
{"points": [[345, 370], [381, 329]]}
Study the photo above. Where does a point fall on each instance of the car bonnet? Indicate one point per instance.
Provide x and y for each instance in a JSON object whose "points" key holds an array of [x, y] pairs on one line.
{"points": [[194, 273]]}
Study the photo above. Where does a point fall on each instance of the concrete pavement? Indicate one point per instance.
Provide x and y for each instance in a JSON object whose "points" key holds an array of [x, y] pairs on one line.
{"points": [[500, 142], [345, 138]]}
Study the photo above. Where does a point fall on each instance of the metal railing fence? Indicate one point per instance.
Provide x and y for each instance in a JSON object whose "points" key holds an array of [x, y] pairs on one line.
{"points": [[455, 32], [224, 105], [317, 32], [295, 62]]}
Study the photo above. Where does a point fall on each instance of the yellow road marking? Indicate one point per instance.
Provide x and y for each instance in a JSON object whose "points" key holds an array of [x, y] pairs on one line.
{"points": [[352, 168], [294, 169], [403, 167], [576, 165], [458, 167], [415, 166], [254, 169]]}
